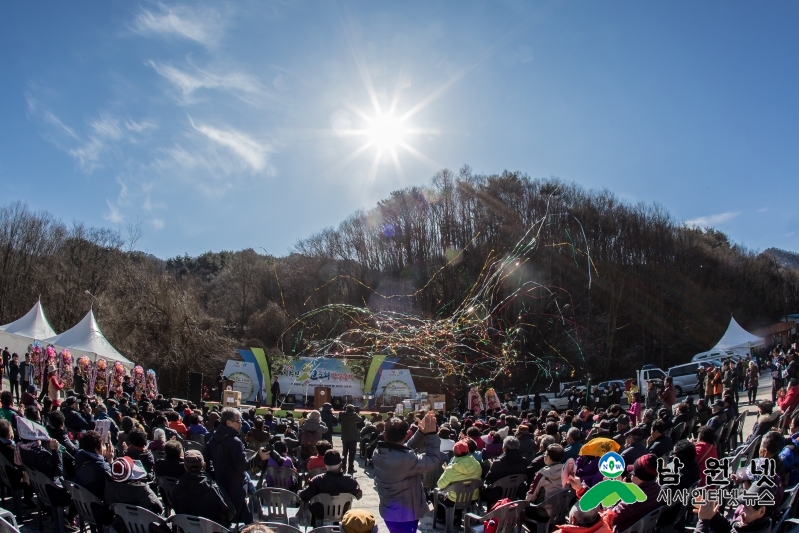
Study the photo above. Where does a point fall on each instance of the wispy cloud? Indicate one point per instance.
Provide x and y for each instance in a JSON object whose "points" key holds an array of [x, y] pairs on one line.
{"points": [[712, 220], [763, 209], [252, 152], [114, 214], [201, 25], [189, 82]]}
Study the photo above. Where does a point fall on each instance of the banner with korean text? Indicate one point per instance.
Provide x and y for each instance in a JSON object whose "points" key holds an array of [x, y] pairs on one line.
{"points": [[304, 373]]}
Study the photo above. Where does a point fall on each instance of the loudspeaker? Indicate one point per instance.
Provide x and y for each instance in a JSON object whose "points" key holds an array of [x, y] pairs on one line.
{"points": [[386, 408], [195, 392], [287, 406]]}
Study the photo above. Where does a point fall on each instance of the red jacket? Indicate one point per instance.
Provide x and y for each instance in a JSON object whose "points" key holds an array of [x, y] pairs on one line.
{"points": [[704, 451], [790, 400]]}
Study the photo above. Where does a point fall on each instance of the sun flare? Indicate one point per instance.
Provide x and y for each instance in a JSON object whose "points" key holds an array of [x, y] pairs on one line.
{"points": [[386, 132]]}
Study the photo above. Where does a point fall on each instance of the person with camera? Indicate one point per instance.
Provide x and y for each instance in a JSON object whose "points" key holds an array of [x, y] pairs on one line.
{"points": [[399, 470]]}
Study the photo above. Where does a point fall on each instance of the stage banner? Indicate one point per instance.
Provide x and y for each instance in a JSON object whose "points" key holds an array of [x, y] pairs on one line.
{"points": [[249, 357], [385, 363], [303, 374], [260, 358], [245, 377], [396, 383], [377, 360]]}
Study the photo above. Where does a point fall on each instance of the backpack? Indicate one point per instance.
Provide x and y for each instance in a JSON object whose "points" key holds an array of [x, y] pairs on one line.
{"points": [[308, 440]]}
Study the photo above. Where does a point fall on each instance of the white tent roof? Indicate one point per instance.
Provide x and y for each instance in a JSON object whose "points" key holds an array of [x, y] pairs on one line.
{"points": [[34, 325], [86, 337], [737, 337]]}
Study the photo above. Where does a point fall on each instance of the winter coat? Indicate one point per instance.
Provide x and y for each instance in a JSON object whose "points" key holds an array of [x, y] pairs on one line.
{"points": [[752, 378], [331, 483], [765, 423], [169, 468], [76, 421], [632, 453], [351, 423], [146, 458], [546, 482], [313, 426], [587, 469], [661, 446], [92, 472], [527, 443], [704, 451], [572, 451], [133, 493], [196, 494], [398, 473], [225, 453], [789, 456], [790, 400], [622, 515], [330, 421], [461, 469], [492, 449], [509, 463], [668, 397]]}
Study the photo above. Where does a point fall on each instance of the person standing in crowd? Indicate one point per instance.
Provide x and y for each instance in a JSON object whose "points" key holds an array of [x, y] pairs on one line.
{"points": [[275, 390], [26, 372], [668, 395], [220, 385], [330, 421], [777, 379], [13, 375], [79, 381], [6, 359], [399, 470], [700, 380], [225, 453], [351, 424], [752, 381], [54, 385]]}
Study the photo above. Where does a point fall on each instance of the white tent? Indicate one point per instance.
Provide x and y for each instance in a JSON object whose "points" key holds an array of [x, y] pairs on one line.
{"points": [[21, 333], [735, 341], [85, 338]]}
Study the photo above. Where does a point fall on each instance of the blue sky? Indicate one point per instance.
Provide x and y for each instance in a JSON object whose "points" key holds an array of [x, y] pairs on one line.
{"points": [[232, 125]]}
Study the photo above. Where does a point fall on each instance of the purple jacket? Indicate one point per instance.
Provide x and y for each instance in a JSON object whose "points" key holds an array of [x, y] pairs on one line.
{"points": [[588, 470]]}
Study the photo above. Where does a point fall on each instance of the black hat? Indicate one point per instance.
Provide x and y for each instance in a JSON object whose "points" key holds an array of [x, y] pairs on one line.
{"points": [[332, 458], [635, 432]]}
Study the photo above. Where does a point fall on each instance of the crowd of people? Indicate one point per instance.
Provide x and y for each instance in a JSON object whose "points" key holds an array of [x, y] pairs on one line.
{"points": [[117, 448]]}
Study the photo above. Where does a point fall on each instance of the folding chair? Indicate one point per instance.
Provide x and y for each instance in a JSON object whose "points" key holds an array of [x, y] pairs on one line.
{"points": [[273, 504], [282, 528], [16, 489], [8, 527], [184, 523], [334, 506], [463, 494], [509, 485], [167, 486], [282, 477], [84, 500], [40, 484], [508, 518], [137, 519], [557, 505], [430, 479]]}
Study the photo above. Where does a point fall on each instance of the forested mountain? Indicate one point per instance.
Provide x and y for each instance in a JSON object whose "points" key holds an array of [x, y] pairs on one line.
{"points": [[597, 284]]}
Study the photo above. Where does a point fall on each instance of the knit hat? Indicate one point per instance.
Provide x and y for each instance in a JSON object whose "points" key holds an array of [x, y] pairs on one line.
{"points": [[332, 458], [193, 461], [357, 521], [461, 448], [126, 469], [646, 467], [623, 419]]}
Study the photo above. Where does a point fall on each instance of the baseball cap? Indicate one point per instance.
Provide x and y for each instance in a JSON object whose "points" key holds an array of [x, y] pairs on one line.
{"points": [[460, 449], [193, 461]]}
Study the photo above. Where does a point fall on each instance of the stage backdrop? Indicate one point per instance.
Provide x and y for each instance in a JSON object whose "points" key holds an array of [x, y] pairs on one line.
{"points": [[396, 383], [246, 378], [305, 373]]}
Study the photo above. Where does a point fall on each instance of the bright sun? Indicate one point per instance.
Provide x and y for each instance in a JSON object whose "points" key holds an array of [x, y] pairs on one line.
{"points": [[385, 132]]}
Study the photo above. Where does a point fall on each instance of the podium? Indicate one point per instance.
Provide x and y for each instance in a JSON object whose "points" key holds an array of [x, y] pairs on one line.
{"points": [[321, 396], [231, 398]]}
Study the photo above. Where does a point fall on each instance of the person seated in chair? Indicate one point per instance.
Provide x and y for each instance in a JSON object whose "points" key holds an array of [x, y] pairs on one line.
{"points": [[754, 518], [658, 442], [511, 462], [278, 457], [318, 460], [93, 463], [129, 486], [197, 494], [172, 463], [137, 450], [547, 482], [333, 482], [464, 467]]}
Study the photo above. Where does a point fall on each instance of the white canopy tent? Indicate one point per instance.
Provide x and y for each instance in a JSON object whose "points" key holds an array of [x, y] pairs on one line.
{"points": [[21, 333], [85, 338], [735, 341]]}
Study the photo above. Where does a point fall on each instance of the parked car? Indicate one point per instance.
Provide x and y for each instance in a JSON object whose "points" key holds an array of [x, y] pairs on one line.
{"points": [[684, 376], [605, 385], [560, 401], [649, 373]]}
